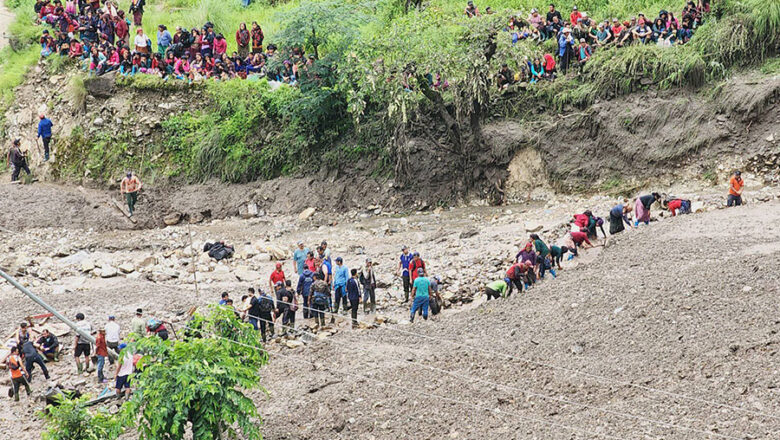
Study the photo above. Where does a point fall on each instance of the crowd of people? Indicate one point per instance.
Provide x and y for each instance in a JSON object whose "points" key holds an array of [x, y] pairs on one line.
{"points": [[579, 36], [320, 286], [99, 36]]}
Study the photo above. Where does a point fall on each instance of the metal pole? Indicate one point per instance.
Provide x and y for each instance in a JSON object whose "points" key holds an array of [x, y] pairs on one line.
{"points": [[54, 312]]}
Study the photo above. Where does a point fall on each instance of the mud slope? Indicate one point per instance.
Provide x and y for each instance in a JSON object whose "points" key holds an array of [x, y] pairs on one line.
{"points": [[688, 306]]}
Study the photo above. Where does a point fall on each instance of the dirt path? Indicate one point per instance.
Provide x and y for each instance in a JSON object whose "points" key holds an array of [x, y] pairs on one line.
{"points": [[6, 18]]}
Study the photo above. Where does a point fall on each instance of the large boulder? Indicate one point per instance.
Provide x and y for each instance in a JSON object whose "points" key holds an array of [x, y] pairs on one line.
{"points": [[101, 86]]}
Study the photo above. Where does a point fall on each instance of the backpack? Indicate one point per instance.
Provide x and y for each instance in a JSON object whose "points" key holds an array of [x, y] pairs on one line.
{"points": [[207, 247], [153, 324], [266, 304]]}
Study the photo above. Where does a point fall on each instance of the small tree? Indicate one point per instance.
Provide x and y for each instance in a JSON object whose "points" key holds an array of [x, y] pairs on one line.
{"points": [[70, 420], [198, 381]]}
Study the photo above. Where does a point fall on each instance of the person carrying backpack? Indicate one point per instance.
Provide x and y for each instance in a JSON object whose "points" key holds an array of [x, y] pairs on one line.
{"points": [[18, 373], [158, 328], [265, 313], [305, 281], [320, 300]]}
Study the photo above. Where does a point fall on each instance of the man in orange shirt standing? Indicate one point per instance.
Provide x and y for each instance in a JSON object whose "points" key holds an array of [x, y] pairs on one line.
{"points": [[735, 189], [18, 373], [129, 187]]}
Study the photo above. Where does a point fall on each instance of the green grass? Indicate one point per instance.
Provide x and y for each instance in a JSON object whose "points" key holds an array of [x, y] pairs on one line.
{"points": [[16, 59]]}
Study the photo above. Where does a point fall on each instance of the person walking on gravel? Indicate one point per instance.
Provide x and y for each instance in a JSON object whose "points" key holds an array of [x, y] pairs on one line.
{"points": [[736, 184], [421, 294], [129, 187], [18, 373], [403, 269], [44, 132]]}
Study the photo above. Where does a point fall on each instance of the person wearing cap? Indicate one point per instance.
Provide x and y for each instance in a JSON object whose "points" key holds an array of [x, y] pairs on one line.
{"points": [[643, 33], [416, 264], [112, 335], [575, 16], [101, 351], [565, 48], [403, 269], [340, 277], [536, 20], [736, 184], [471, 10], [584, 53], [17, 160], [320, 300], [129, 187], [299, 256], [48, 344], [122, 375], [421, 293], [44, 132], [305, 282], [353, 294], [138, 324], [277, 276], [368, 280]]}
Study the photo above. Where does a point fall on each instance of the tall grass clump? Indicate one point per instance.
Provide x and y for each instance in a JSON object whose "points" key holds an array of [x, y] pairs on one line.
{"points": [[77, 92]]}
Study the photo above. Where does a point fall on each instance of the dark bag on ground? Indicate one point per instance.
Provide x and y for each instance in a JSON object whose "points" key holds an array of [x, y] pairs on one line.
{"points": [[218, 251], [435, 305]]}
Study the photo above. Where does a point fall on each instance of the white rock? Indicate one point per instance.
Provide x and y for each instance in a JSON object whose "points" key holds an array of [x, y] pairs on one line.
{"points": [[245, 274], [107, 272], [87, 266], [127, 267], [747, 289], [306, 213]]}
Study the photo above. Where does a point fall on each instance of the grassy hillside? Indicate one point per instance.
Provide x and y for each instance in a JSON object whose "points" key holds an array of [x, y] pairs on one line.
{"points": [[369, 49]]}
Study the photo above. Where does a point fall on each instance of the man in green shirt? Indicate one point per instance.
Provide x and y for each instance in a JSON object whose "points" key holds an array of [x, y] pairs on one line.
{"points": [[138, 324], [497, 288], [421, 294]]}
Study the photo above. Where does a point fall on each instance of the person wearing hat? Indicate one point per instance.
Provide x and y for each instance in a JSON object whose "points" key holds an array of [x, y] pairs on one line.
{"points": [[584, 53], [736, 184], [299, 256], [403, 270], [122, 375], [129, 187], [575, 16], [368, 280], [138, 324], [112, 335], [277, 276], [340, 277], [471, 10], [17, 160], [44, 132], [421, 292], [565, 48], [415, 266]]}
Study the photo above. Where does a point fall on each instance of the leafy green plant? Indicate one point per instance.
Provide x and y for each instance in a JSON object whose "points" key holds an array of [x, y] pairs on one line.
{"points": [[71, 420], [198, 382]]}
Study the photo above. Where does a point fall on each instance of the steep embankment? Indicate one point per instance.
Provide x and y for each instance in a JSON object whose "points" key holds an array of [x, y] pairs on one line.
{"points": [[670, 333]]}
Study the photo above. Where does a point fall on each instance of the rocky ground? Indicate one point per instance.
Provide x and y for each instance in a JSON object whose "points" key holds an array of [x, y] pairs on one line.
{"points": [[685, 305]]}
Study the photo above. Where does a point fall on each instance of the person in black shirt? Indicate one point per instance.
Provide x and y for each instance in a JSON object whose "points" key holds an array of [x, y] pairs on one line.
{"points": [[48, 345], [31, 357], [553, 13], [17, 160]]}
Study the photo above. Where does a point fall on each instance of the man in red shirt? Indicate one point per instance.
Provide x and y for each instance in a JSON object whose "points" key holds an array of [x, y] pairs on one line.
{"points": [[575, 16], [416, 263], [580, 239], [277, 276]]}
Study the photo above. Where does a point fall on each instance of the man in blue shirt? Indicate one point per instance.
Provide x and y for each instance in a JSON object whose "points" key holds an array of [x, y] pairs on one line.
{"points": [[340, 277], [299, 256], [421, 293], [403, 269], [44, 132]]}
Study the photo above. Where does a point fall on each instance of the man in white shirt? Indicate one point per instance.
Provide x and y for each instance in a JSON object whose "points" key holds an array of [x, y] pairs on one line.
{"points": [[122, 375], [112, 336]]}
